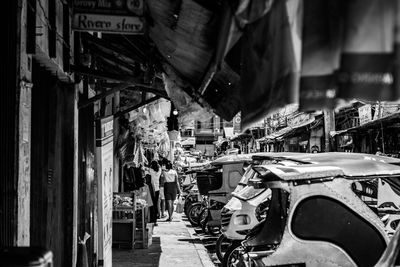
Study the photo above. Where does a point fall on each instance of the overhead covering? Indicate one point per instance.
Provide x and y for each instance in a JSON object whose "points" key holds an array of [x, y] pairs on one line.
{"points": [[253, 56], [288, 131], [266, 46]]}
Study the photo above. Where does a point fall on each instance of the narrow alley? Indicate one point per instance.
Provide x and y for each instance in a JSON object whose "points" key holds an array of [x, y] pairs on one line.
{"points": [[173, 244]]}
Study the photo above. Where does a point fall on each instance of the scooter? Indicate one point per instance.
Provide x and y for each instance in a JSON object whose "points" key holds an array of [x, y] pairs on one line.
{"points": [[315, 218]]}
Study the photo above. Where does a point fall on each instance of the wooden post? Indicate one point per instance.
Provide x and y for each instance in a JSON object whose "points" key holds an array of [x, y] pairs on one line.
{"points": [[24, 131], [329, 125]]}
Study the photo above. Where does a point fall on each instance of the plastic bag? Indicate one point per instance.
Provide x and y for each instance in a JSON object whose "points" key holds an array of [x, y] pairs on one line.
{"points": [[179, 206]]}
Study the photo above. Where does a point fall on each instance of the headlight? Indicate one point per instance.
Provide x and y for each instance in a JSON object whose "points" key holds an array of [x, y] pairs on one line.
{"points": [[242, 220]]}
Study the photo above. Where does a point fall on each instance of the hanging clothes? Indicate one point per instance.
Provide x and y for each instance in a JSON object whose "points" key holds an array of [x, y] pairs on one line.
{"points": [[129, 179], [270, 65], [368, 60], [321, 47]]}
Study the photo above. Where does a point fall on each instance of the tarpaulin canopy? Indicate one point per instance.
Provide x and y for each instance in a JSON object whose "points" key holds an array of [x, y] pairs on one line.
{"points": [[256, 56], [253, 56]]}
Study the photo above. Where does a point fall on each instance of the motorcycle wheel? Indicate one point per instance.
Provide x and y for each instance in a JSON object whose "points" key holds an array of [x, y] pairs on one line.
{"points": [[188, 202], [221, 246], [202, 216], [193, 213], [203, 219], [233, 258], [214, 230]]}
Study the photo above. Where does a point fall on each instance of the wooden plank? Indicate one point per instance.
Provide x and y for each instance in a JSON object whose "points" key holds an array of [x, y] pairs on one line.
{"points": [[113, 47], [124, 86], [112, 58], [89, 101], [110, 76]]}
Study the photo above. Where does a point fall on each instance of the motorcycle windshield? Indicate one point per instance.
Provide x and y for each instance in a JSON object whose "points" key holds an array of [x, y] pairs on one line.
{"points": [[249, 192], [270, 232], [249, 173]]}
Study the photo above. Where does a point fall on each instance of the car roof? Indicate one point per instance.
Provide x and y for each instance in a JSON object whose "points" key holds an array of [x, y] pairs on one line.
{"points": [[357, 169], [326, 157], [231, 159], [342, 156]]}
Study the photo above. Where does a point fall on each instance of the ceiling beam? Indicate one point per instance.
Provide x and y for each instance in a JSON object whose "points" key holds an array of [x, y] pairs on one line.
{"points": [[114, 47], [112, 57], [108, 76], [141, 104], [91, 100], [121, 87], [156, 88]]}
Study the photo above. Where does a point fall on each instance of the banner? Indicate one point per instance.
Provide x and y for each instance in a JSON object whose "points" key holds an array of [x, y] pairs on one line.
{"points": [[104, 143], [365, 114]]}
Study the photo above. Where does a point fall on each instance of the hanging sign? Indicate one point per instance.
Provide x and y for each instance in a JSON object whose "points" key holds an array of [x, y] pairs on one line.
{"points": [[237, 120], [110, 16], [104, 144], [365, 114]]}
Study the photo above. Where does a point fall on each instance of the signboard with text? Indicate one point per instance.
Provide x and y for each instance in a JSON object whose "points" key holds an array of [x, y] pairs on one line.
{"points": [[365, 114], [109, 16], [104, 144]]}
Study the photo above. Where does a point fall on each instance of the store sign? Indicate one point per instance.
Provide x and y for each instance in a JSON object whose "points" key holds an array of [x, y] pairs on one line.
{"points": [[282, 122], [105, 159], [189, 141], [365, 114], [237, 123], [118, 16], [299, 119]]}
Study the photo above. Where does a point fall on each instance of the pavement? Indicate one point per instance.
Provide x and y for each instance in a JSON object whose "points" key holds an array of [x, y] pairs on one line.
{"points": [[173, 244]]}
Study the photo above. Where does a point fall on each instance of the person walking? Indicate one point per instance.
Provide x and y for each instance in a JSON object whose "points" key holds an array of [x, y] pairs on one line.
{"points": [[161, 199], [155, 173], [171, 188]]}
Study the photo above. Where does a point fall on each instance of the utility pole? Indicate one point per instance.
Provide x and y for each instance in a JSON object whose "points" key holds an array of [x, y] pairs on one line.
{"points": [[329, 125]]}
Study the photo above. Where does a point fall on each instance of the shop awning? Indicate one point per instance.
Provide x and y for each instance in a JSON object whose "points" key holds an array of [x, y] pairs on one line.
{"points": [[287, 131], [372, 124], [242, 136]]}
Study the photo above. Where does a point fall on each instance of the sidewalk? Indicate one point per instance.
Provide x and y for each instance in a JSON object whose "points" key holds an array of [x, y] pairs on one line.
{"points": [[174, 244]]}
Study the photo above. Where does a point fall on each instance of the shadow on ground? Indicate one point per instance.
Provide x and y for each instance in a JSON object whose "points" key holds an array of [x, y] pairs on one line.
{"points": [[138, 257]]}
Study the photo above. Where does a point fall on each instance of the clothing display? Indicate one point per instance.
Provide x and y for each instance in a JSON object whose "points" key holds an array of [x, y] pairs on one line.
{"points": [[133, 178]]}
